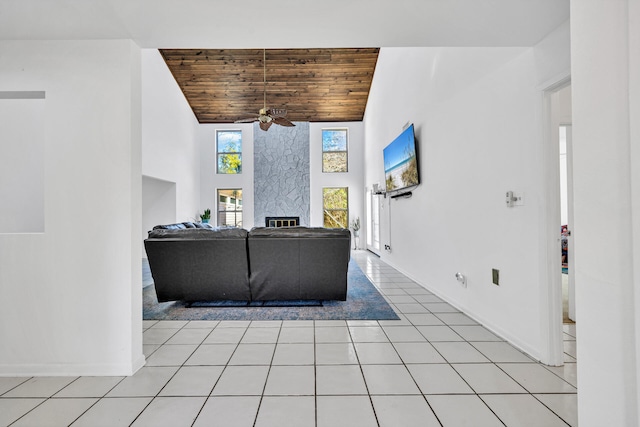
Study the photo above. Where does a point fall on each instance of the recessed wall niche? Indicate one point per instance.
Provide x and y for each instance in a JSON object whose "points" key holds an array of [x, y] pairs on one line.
{"points": [[22, 135]]}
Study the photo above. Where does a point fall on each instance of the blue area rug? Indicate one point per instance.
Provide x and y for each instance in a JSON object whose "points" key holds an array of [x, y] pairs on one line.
{"points": [[363, 302]]}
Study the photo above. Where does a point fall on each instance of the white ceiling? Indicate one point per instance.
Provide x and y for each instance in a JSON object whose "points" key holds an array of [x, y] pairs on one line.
{"points": [[286, 23]]}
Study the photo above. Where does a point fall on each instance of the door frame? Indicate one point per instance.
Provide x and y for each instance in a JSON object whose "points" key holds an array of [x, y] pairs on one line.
{"points": [[372, 202], [571, 271], [552, 348]]}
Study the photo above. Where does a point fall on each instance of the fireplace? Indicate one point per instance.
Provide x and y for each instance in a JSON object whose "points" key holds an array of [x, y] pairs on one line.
{"points": [[282, 221]]}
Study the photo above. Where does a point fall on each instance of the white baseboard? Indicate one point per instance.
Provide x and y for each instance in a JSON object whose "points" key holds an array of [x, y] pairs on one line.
{"points": [[510, 338], [72, 370]]}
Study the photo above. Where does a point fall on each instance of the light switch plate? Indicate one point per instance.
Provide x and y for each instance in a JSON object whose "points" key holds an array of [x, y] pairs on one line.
{"points": [[519, 198]]}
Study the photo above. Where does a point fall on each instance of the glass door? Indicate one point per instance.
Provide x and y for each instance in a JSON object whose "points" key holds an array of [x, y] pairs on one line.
{"points": [[373, 215]]}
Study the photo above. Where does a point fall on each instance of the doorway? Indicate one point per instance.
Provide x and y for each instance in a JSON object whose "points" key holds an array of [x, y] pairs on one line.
{"points": [[566, 223], [559, 222], [373, 216]]}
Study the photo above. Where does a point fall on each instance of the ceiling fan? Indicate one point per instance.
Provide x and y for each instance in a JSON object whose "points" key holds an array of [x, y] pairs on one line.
{"points": [[268, 116]]}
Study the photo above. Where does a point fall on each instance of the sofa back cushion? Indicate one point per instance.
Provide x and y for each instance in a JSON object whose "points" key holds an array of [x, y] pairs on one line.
{"points": [[298, 232], [198, 233], [182, 226]]}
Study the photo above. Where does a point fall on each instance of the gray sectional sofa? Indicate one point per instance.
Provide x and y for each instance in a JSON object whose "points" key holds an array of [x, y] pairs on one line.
{"points": [[194, 262]]}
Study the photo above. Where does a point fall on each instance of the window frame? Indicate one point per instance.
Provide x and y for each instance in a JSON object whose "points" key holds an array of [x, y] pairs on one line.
{"points": [[238, 206], [222, 153], [346, 210], [345, 151]]}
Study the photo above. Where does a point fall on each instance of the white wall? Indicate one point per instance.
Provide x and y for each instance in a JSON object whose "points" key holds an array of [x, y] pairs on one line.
{"points": [[170, 144], [211, 182], [605, 42], [70, 301], [477, 114], [22, 162], [354, 178], [158, 204]]}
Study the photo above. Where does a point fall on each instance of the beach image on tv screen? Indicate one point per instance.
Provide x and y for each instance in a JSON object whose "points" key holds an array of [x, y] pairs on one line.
{"points": [[400, 162]]}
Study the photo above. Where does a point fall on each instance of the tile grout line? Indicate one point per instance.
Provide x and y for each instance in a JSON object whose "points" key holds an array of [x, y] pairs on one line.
{"points": [[364, 379], [182, 365], [266, 380], [168, 381], [411, 375], [315, 375], [195, 419]]}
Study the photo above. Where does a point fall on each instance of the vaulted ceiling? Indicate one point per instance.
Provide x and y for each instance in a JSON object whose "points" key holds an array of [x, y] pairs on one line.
{"points": [[313, 85], [245, 24]]}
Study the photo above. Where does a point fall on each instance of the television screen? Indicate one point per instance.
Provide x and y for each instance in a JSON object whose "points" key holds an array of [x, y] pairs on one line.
{"points": [[401, 162]]}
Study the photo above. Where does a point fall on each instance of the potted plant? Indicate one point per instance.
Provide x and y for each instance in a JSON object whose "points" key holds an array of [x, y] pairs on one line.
{"points": [[206, 216]]}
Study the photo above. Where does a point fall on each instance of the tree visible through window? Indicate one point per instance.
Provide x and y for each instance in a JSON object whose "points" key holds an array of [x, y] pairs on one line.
{"points": [[229, 149], [230, 207], [334, 150], [335, 204]]}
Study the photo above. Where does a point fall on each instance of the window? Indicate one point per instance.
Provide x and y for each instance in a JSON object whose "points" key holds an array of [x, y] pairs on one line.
{"points": [[229, 148], [230, 207], [335, 204], [334, 150]]}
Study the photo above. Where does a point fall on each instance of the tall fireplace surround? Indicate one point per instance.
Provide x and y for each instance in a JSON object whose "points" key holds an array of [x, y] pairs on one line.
{"points": [[282, 173]]}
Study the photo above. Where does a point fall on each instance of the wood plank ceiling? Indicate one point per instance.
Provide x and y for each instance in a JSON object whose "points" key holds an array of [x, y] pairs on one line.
{"points": [[314, 85]]}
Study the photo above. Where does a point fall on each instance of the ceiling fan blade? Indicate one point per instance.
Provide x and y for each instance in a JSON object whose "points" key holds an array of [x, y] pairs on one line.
{"points": [[282, 121], [265, 125], [251, 120]]}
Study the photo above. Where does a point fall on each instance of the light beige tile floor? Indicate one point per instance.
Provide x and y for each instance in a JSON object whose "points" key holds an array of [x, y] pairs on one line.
{"points": [[433, 367]]}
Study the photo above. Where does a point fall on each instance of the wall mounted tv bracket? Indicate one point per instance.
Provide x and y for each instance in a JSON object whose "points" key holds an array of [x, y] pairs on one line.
{"points": [[378, 191], [405, 195]]}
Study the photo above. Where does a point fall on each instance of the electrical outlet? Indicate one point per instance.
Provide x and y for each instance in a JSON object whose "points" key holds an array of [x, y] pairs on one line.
{"points": [[495, 274]]}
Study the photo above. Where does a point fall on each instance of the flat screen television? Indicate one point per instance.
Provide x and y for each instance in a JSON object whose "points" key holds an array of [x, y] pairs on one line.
{"points": [[401, 162]]}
